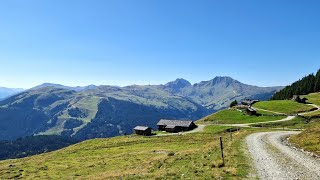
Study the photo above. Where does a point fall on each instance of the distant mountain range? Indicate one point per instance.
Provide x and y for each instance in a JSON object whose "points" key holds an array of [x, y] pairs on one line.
{"points": [[6, 92], [77, 88], [106, 111]]}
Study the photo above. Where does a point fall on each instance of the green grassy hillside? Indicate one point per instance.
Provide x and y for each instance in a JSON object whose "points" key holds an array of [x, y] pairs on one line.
{"points": [[230, 116], [193, 156], [313, 98], [283, 106]]}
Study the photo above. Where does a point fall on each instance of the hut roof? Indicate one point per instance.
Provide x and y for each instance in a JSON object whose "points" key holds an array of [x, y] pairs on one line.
{"points": [[141, 128], [181, 123], [249, 102], [171, 126]]}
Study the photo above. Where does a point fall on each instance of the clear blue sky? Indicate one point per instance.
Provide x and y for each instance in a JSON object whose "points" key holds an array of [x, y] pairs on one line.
{"points": [[122, 42]]}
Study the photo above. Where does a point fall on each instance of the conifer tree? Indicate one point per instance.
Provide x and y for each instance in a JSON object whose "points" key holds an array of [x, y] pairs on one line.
{"points": [[306, 85], [317, 82]]}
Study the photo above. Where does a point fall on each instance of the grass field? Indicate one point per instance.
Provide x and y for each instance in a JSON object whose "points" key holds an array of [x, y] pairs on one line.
{"points": [[296, 123], [309, 139], [314, 114], [265, 112], [283, 106], [313, 98], [193, 156], [229, 116]]}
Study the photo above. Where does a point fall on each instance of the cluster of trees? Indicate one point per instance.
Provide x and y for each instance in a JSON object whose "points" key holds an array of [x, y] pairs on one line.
{"points": [[233, 103], [32, 145], [306, 85]]}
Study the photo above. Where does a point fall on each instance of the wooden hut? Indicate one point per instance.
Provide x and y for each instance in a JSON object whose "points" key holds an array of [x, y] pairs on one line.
{"points": [[143, 130], [251, 112], [175, 126]]}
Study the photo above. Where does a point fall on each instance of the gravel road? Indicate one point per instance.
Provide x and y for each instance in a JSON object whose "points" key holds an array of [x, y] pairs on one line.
{"points": [[273, 159]]}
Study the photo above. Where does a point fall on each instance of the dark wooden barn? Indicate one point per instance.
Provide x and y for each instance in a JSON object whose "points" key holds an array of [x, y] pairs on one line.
{"points": [[143, 130], [299, 100], [251, 112], [175, 126]]}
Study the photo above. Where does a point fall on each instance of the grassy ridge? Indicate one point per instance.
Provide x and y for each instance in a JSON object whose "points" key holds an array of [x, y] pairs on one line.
{"points": [[283, 106], [230, 116], [191, 156]]}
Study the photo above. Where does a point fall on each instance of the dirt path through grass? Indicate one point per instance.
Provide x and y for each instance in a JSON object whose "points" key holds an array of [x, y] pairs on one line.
{"points": [[289, 118], [274, 159], [316, 106]]}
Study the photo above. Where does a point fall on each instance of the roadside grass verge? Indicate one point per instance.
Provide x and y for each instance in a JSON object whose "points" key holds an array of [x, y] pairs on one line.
{"points": [[230, 116], [309, 139], [283, 106], [192, 156]]}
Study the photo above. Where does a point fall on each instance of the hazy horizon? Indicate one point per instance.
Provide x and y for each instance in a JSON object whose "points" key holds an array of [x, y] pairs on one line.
{"points": [[192, 83]]}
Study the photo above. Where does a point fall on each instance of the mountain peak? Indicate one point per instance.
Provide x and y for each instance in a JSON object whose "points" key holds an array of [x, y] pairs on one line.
{"points": [[223, 79], [178, 84], [218, 80]]}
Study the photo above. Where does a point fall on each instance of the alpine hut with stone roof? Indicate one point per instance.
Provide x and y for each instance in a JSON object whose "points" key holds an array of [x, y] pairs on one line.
{"points": [[175, 126]]}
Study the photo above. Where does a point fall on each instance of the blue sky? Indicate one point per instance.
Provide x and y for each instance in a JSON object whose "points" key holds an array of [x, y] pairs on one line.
{"points": [[123, 42]]}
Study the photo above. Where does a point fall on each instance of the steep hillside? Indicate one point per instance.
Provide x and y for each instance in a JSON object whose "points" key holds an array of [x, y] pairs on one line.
{"points": [[32, 145], [6, 92], [304, 86], [32, 111], [102, 112], [106, 111]]}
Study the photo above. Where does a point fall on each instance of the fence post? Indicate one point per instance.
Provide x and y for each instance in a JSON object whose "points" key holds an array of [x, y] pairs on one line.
{"points": [[222, 155]]}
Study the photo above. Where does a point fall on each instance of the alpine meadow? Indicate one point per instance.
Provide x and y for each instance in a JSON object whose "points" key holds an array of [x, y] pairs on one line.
{"points": [[159, 89]]}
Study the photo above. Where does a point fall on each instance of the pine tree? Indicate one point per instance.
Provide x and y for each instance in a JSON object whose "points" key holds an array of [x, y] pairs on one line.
{"points": [[317, 82], [306, 85]]}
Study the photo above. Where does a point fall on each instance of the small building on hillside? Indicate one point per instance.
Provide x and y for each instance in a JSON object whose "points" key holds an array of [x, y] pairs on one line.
{"points": [[251, 112], [240, 107], [248, 110], [249, 102], [143, 130], [175, 126], [297, 98]]}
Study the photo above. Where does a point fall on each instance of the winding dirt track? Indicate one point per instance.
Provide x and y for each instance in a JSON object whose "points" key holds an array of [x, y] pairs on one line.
{"points": [[273, 159]]}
